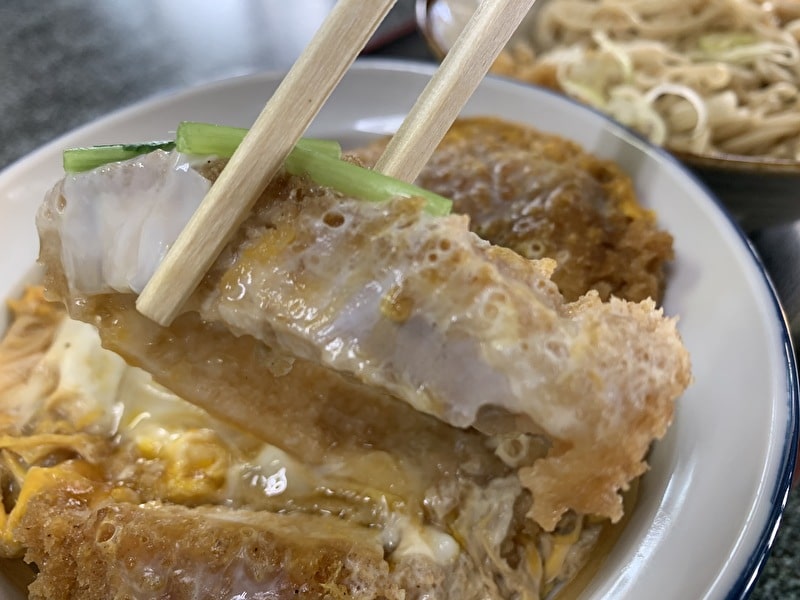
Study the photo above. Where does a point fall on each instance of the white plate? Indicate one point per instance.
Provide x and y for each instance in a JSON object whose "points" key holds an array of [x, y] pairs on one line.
{"points": [[712, 500]]}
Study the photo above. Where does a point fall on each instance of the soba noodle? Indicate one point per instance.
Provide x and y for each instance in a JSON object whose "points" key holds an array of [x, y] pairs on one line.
{"points": [[699, 76]]}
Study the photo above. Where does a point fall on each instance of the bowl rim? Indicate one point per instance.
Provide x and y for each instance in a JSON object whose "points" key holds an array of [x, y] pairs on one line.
{"points": [[720, 161]]}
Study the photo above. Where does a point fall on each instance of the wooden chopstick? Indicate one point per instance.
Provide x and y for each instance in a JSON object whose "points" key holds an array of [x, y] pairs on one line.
{"points": [[465, 65], [283, 120]]}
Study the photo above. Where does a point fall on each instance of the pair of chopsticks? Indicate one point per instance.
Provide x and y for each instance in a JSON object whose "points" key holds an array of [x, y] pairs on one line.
{"points": [[289, 112]]}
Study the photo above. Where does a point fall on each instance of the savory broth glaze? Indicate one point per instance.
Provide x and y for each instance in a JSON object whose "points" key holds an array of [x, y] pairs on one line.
{"points": [[299, 478]]}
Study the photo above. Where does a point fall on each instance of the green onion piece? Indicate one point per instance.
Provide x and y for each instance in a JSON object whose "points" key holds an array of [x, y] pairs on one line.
{"points": [[719, 42], [329, 148], [207, 139], [320, 160], [192, 138], [358, 182], [77, 160]]}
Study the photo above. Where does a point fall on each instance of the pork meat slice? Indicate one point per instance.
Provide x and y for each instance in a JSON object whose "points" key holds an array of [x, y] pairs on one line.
{"points": [[419, 306]]}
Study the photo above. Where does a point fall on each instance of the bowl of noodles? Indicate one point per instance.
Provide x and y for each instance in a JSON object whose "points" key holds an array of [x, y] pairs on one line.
{"points": [[717, 82]]}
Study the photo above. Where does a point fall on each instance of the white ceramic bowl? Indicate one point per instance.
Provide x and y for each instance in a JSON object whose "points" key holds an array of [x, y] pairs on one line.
{"points": [[710, 504], [759, 191]]}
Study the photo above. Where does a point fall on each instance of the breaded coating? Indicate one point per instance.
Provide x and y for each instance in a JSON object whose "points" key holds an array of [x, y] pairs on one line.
{"points": [[544, 196], [92, 454], [424, 309], [87, 548]]}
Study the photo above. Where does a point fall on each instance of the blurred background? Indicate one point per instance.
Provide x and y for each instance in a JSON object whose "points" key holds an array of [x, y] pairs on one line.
{"points": [[64, 63]]}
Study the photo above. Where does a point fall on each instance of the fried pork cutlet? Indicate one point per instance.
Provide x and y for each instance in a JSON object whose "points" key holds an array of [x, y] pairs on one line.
{"points": [[157, 550], [320, 316], [114, 487], [543, 196], [421, 308]]}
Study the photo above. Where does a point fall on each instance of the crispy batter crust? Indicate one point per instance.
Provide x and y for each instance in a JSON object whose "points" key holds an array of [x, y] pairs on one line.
{"points": [[544, 196], [597, 379], [154, 550], [67, 493]]}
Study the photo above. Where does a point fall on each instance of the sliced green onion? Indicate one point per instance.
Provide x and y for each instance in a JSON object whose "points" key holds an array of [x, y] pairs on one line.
{"points": [[202, 139], [721, 41], [329, 148], [206, 139], [320, 160], [358, 182], [77, 160]]}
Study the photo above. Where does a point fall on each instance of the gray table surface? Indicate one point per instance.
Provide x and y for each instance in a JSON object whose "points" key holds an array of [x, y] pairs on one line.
{"points": [[64, 63]]}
